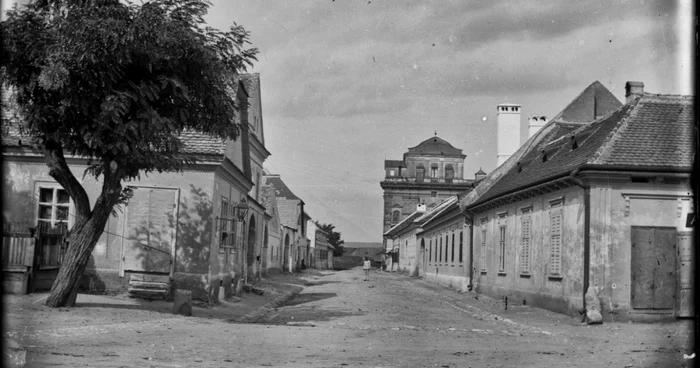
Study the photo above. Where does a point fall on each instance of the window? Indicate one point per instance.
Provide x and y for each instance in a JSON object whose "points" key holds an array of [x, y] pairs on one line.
{"points": [[449, 172], [420, 173], [433, 194], [54, 208], [447, 246], [482, 255], [392, 172], [396, 216], [440, 258], [525, 230], [434, 172], [430, 251], [555, 224], [502, 242], [453, 247], [461, 246], [227, 227]]}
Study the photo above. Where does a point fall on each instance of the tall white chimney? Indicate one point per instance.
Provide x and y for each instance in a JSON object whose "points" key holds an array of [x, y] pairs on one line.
{"points": [[507, 131], [535, 123]]}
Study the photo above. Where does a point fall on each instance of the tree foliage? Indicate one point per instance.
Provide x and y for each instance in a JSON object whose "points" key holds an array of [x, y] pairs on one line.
{"points": [[334, 238], [117, 83]]}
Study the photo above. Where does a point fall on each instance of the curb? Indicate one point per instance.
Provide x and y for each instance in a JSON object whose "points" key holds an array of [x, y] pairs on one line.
{"points": [[265, 309]]}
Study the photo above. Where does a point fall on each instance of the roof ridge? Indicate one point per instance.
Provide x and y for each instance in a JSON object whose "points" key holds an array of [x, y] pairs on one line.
{"points": [[606, 148]]}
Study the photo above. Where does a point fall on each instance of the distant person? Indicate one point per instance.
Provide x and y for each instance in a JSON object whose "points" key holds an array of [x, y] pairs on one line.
{"points": [[366, 265]]}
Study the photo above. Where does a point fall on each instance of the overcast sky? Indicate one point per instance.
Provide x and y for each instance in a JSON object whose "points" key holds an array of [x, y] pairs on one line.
{"points": [[349, 83]]}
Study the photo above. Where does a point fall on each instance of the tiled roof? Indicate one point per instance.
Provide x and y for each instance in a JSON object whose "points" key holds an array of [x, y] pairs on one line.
{"points": [[281, 189], [434, 146], [200, 143], [288, 212], [584, 106], [659, 132], [408, 221], [193, 142], [651, 131], [442, 208]]}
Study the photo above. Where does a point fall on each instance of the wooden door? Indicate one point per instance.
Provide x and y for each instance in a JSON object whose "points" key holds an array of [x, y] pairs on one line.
{"points": [[149, 230], [653, 267]]}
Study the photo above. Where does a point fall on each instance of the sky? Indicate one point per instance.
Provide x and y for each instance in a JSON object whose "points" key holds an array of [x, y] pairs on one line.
{"points": [[347, 84]]}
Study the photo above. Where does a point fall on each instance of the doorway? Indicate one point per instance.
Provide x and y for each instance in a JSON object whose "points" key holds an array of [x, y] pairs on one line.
{"points": [[653, 267]]}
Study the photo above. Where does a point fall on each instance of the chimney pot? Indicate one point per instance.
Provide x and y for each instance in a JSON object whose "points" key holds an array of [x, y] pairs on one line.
{"points": [[633, 90]]}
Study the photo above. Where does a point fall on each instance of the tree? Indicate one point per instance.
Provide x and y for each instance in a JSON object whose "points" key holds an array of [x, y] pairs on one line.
{"points": [[116, 84], [333, 238]]}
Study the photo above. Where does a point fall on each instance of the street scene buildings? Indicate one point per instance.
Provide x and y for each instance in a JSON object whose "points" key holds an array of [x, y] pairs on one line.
{"points": [[519, 179]]}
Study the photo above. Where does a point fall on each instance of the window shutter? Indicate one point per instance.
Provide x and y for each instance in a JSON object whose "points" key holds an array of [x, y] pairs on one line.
{"points": [[555, 240]]}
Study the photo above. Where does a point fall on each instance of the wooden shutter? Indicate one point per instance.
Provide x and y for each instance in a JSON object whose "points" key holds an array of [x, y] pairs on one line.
{"points": [[555, 224]]}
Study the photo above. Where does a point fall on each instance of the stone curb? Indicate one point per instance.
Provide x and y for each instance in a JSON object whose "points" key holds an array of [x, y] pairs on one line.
{"points": [[265, 309]]}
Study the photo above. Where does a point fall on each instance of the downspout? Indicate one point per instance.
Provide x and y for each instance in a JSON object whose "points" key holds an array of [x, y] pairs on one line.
{"points": [[470, 222], [586, 231]]}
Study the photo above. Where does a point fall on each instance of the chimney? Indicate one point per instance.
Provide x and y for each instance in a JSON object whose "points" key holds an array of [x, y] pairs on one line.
{"points": [[421, 208], [479, 175], [633, 90], [507, 131], [535, 123]]}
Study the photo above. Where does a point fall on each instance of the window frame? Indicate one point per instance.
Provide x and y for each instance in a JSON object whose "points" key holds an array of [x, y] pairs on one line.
{"points": [[502, 241], [484, 234], [525, 240], [556, 232], [54, 205]]}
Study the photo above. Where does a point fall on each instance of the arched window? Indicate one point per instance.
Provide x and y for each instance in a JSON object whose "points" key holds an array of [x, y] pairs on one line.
{"points": [[396, 216], [449, 172], [420, 173]]}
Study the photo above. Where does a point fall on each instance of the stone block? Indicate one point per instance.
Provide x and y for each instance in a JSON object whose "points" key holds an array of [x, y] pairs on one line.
{"points": [[182, 303], [593, 315]]}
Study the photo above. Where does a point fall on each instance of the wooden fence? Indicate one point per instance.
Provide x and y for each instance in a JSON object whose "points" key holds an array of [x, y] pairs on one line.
{"points": [[31, 256]]}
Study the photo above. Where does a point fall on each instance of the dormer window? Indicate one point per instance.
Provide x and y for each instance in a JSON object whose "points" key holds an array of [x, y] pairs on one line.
{"points": [[544, 156], [574, 143]]}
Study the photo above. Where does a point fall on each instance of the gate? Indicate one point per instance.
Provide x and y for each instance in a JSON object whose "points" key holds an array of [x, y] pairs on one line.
{"points": [[653, 267]]}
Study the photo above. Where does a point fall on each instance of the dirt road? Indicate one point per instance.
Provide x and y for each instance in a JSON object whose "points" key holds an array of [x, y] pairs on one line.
{"points": [[338, 320]]}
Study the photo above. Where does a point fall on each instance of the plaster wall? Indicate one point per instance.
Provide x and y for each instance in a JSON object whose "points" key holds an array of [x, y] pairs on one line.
{"points": [[407, 252], [615, 209], [537, 287], [450, 272], [194, 220]]}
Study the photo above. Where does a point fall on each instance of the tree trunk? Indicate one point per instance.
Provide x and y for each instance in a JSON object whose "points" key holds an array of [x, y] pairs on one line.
{"points": [[81, 242]]}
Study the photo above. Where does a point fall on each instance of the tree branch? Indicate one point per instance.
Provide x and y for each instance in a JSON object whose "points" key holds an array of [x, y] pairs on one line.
{"points": [[59, 170]]}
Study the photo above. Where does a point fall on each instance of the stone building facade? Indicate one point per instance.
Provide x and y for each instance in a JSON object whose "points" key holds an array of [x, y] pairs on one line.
{"points": [[429, 174]]}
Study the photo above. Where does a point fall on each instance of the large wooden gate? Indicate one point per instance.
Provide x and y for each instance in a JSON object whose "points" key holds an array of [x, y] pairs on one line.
{"points": [[149, 225], [653, 267]]}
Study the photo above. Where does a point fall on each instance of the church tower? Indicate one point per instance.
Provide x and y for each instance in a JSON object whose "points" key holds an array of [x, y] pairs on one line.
{"points": [[507, 131]]}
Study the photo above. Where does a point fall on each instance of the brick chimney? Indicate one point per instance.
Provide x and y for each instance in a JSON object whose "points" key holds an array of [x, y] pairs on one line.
{"points": [[633, 90]]}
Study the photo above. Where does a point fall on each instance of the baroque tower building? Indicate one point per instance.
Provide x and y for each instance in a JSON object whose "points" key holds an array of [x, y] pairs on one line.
{"points": [[428, 174]]}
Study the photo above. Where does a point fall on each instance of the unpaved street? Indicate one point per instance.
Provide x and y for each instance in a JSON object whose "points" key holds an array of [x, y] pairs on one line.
{"points": [[338, 320]]}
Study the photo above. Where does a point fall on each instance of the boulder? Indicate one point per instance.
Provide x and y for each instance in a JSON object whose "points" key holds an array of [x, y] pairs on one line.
{"points": [[593, 315], [182, 303]]}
